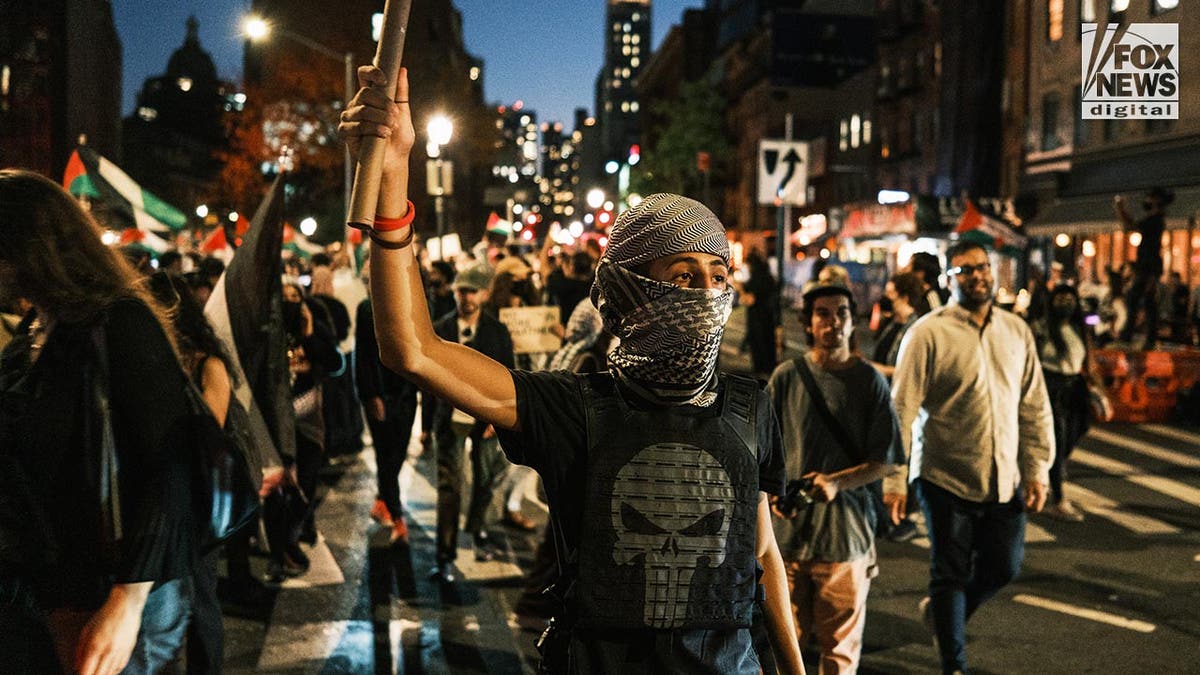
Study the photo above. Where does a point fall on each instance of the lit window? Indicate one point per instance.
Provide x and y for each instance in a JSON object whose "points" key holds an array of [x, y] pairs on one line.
{"points": [[866, 132], [147, 114], [844, 136], [184, 83], [1054, 20], [633, 107], [376, 26], [627, 28], [626, 72], [625, 39], [5, 76], [1087, 11], [637, 39], [625, 50], [524, 119], [624, 106], [1118, 5], [635, 62], [855, 130], [637, 50], [1161, 6], [474, 73], [636, 17], [616, 84]]}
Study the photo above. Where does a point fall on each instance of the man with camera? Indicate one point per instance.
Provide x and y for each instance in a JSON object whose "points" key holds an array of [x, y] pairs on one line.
{"points": [[841, 435]]}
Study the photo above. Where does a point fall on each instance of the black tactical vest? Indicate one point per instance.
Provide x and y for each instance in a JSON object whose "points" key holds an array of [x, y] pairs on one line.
{"points": [[667, 538]]}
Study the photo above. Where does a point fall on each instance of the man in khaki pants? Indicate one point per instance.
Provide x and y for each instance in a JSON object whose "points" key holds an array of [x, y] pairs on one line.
{"points": [[841, 435]]}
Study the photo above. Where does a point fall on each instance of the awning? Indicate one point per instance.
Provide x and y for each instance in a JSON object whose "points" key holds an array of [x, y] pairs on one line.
{"points": [[1093, 214]]}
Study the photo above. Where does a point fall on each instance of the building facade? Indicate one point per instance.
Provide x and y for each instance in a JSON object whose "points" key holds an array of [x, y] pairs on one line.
{"points": [[1073, 167], [60, 82], [626, 50]]}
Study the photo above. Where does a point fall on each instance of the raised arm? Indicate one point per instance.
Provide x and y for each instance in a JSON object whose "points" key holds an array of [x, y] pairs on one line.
{"points": [[1122, 214], [467, 379]]}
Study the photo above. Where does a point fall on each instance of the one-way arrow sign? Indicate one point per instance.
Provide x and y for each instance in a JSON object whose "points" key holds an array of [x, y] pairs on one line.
{"points": [[782, 172]]}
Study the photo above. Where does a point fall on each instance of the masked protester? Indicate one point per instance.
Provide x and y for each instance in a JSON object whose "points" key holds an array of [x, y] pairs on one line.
{"points": [[1066, 364], [657, 472]]}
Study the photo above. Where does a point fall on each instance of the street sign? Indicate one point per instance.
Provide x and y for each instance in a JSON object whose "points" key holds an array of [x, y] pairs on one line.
{"points": [[782, 172], [439, 177]]}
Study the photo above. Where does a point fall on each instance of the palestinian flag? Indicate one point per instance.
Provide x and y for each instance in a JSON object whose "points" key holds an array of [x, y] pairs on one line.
{"points": [[246, 313], [90, 175], [980, 228], [153, 243], [299, 244]]}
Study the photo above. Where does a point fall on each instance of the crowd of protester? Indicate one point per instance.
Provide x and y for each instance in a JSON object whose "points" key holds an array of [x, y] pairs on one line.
{"points": [[100, 567]]}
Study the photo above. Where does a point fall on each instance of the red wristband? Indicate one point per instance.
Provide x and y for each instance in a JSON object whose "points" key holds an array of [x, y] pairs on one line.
{"points": [[392, 224]]}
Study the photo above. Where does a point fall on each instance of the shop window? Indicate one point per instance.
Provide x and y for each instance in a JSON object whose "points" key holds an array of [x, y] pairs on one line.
{"points": [[1050, 114]]}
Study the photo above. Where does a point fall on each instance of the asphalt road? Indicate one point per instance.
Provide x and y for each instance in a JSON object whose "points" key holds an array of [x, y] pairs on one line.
{"points": [[1117, 593]]}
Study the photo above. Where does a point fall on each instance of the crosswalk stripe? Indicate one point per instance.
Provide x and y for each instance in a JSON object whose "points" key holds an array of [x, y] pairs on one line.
{"points": [[1086, 613], [1108, 509], [1148, 449], [323, 570], [1034, 534], [1171, 432], [1166, 486]]}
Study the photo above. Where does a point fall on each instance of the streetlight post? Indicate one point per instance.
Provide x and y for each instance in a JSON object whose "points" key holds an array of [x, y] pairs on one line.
{"points": [[439, 130], [257, 29]]}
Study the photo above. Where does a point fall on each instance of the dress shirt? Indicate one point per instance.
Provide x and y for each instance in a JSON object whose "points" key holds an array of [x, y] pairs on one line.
{"points": [[974, 414]]}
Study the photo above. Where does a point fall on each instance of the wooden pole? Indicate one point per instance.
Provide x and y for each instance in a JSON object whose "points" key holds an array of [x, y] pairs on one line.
{"points": [[369, 168]]}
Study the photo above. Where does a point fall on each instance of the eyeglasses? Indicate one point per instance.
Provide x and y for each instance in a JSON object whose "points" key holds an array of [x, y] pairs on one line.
{"points": [[968, 270]]}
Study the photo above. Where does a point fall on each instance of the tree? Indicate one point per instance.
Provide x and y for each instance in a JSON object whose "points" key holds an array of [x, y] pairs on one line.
{"points": [[693, 123]]}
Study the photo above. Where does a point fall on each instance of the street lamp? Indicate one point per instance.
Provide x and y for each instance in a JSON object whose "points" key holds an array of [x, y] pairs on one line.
{"points": [[439, 172], [257, 29], [595, 198]]}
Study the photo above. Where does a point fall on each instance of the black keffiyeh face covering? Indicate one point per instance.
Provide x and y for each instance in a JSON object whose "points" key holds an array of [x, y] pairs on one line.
{"points": [[670, 336]]}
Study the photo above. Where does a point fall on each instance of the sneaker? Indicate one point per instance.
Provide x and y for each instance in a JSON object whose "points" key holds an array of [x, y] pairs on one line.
{"points": [[1064, 511], [443, 573], [925, 609], [517, 520], [399, 531], [905, 531], [380, 513]]}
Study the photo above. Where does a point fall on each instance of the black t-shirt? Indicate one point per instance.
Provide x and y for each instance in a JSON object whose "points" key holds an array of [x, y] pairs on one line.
{"points": [[553, 440], [1149, 256]]}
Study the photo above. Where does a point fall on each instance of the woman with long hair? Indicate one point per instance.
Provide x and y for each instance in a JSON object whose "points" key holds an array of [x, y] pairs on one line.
{"points": [[1063, 350], [94, 367]]}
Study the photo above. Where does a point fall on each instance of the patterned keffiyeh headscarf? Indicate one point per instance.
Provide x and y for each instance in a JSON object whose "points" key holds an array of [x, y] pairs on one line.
{"points": [[670, 336]]}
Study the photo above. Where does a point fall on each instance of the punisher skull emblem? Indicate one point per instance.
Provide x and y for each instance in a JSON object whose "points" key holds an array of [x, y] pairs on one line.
{"points": [[671, 508]]}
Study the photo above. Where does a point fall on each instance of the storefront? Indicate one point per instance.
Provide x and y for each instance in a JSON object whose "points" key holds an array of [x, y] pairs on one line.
{"points": [[1085, 235]]}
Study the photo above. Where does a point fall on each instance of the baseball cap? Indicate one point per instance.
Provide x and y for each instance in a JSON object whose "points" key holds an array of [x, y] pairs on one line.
{"points": [[475, 278]]}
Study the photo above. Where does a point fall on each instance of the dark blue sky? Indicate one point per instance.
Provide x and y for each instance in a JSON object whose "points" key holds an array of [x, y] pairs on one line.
{"points": [[546, 52]]}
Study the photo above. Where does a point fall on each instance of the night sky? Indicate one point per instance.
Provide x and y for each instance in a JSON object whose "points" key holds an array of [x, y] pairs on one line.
{"points": [[545, 52]]}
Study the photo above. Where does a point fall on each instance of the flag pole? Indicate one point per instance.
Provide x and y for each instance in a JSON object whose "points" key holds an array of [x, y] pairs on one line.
{"points": [[365, 194]]}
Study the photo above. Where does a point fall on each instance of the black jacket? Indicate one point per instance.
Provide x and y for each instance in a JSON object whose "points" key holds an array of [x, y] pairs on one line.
{"points": [[371, 377], [491, 338]]}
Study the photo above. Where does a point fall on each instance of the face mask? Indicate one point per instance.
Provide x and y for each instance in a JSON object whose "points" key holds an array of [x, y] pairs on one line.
{"points": [[670, 336], [293, 318]]}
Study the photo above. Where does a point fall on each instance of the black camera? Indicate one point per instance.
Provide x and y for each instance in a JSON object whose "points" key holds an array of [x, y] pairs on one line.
{"points": [[796, 498]]}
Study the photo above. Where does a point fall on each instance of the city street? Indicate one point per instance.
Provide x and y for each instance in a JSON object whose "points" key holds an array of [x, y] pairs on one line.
{"points": [[1116, 593]]}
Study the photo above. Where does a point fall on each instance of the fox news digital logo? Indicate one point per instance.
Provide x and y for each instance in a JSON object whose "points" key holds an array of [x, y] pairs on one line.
{"points": [[1130, 71]]}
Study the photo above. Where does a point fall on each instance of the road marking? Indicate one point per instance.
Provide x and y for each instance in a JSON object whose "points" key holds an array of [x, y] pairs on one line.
{"points": [[1086, 613], [1108, 509], [323, 569], [1148, 449], [1178, 434], [422, 512], [1166, 486], [1034, 534]]}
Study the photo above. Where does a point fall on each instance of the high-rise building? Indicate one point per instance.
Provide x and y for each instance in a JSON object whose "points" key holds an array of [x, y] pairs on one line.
{"points": [[297, 82], [171, 139], [60, 82], [626, 50], [560, 171], [516, 156]]}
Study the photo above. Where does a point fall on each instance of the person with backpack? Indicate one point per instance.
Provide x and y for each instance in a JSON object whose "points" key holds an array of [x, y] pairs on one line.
{"points": [[841, 436], [98, 555], [657, 472]]}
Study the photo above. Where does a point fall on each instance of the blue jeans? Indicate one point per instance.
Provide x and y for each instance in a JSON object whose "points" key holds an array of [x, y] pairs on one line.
{"points": [[975, 550], [164, 622]]}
